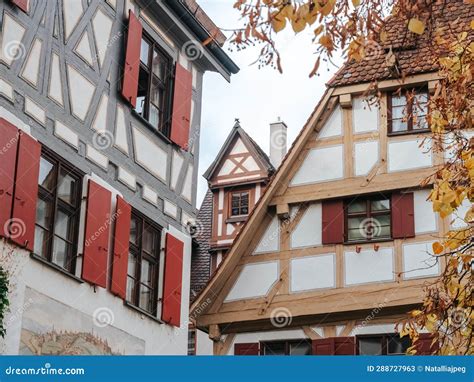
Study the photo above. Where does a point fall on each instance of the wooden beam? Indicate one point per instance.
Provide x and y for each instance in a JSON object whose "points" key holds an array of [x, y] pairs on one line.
{"points": [[223, 347], [329, 331], [345, 100], [271, 295], [346, 332], [310, 333], [214, 332], [283, 211]]}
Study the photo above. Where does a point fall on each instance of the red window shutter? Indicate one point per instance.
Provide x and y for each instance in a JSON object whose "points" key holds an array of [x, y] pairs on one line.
{"points": [[181, 120], [403, 215], [132, 60], [246, 349], [333, 222], [22, 227], [9, 138], [96, 238], [344, 346], [123, 215], [22, 4], [324, 346], [424, 344], [171, 312]]}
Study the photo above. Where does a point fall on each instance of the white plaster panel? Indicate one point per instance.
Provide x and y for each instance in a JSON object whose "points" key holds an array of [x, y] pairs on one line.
{"points": [[170, 209], [425, 219], [149, 195], [321, 165], [406, 155], [226, 168], [127, 178], [55, 89], [255, 280], [251, 165], [333, 126], [457, 218], [417, 261], [113, 3], [188, 184], [121, 140], [373, 329], [187, 219], [100, 118], [270, 241], [366, 155], [221, 199], [35, 111], [309, 230], [313, 272], [239, 147], [368, 266], [219, 224], [364, 118], [102, 26], [81, 91], [31, 67], [12, 35], [230, 229], [6, 89], [66, 134], [176, 165], [150, 155], [83, 49], [72, 12], [195, 74], [96, 157]]}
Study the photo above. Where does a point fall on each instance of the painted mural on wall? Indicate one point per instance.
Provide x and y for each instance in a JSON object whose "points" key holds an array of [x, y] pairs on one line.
{"points": [[51, 328]]}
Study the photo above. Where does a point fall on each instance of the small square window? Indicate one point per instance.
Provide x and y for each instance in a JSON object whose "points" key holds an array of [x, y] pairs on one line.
{"points": [[407, 111], [239, 203]]}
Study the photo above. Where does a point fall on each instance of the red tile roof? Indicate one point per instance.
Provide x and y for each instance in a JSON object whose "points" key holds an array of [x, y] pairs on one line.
{"points": [[205, 21]]}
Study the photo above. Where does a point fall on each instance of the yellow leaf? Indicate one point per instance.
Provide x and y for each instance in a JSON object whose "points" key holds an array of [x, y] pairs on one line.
{"points": [[437, 248], [472, 24], [383, 36], [326, 42], [355, 3], [278, 23], [416, 26]]}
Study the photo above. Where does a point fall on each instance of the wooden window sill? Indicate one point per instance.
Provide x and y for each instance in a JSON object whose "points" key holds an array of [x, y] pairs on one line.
{"points": [[408, 132], [56, 267], [237, 219]]}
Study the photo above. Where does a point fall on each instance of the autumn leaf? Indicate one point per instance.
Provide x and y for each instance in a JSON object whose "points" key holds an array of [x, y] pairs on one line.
{"points": [[437, 248], [315, 68], [416, 26], [278, 22], [355, 3]]}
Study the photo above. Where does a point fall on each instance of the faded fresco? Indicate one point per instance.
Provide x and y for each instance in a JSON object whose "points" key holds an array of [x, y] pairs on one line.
{"points": [[51, 328]]}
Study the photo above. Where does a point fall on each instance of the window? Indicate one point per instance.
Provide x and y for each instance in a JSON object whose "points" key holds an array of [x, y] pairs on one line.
{"points": [[192, 341], [57, 212], [239, 203], [154, 83], [407, 112], [143, 264], [298, 347], [368, 219], [388, 344]]}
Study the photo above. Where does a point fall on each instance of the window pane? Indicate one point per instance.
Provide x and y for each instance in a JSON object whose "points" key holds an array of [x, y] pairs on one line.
{"points": [[357, 206], [46, 174], [149, 239], [146, 276], [142, 92], [132, 264], [145, 48], [300, 349], [399, 125], [274, 348], [235, 211], [159, 65], [44, 210], [67, 187], [134, 230], [60, 250], [382, 226], [370, 346], [380, 205], [145, 298], [41, 245], [355, 223], [130, 289], [62, 225], [399, 100], [397, 345], [156, 93], [154, 118], [244, 211], [399, 113]]}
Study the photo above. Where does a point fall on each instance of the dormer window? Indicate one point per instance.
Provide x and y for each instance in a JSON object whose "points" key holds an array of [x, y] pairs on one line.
{"points": [[239, 203], [407, 110], [154, 85]]}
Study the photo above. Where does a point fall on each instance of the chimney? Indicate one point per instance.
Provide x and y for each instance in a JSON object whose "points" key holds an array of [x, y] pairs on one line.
{"points": [[278, 133]]}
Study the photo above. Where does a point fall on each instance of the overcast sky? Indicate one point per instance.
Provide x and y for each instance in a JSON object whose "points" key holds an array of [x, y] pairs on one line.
{"points": [[257, 96]]}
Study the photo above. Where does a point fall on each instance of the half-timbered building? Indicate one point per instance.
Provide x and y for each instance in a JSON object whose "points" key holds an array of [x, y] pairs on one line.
{"points": [[337, 251], [100, 105]]}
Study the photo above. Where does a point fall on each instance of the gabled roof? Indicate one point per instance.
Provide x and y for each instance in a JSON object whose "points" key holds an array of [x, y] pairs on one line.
{"points": [[413, 54], [258, 154]]}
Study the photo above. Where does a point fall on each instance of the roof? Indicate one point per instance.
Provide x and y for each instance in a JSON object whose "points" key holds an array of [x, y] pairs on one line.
{"points": [[414, 54], [201, 258], [260, 155]]}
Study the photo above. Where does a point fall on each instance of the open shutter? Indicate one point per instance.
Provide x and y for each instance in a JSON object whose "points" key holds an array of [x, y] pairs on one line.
{"points": [[246, 349], [96, 238], [333, 222], [172, 293], [424, 344], [344, 346], [121, 242], [403, 215], [181, 119], [22, 4], [22, 227], [132, 60], [9, 142], [324, 346]]}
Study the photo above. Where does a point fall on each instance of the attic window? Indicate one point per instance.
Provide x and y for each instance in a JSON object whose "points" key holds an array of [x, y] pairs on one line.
{"points": [[239, 203], [407, 112]]}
